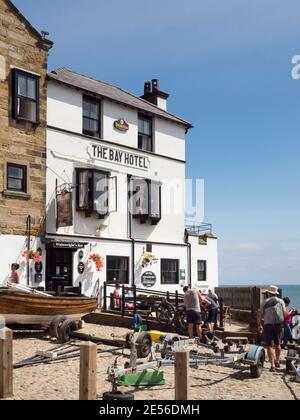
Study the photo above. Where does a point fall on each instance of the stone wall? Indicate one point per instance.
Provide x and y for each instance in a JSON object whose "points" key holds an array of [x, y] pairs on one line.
{"points": [[21, 142]]}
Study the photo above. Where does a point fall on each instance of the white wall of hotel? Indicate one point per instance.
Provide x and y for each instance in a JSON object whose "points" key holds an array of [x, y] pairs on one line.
{"points": [[69, 150], [12, 247]]}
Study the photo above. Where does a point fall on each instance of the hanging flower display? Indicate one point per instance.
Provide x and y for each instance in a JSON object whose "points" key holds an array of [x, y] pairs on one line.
{"points": [[98, 260], [148, 259], [32, 255]]}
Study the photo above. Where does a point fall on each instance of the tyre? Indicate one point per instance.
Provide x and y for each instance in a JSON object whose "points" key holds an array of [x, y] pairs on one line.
{"points": [[118, 396], [65, 331], [288, 363], [257, 370], [144, 344], [165, 314], [55, 324]]}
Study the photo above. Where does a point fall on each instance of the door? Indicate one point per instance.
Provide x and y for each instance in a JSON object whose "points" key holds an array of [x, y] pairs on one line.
{"points": [[59, 269]]}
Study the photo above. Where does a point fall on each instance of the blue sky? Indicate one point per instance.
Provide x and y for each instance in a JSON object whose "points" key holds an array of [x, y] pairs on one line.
{"points": [[227, 65]]}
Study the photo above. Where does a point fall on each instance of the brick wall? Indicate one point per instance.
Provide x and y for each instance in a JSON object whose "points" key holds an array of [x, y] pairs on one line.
{"points": [[21, 142]]}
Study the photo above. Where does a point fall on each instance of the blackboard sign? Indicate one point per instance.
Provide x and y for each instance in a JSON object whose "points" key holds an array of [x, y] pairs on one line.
{"points": [[148, 279]]}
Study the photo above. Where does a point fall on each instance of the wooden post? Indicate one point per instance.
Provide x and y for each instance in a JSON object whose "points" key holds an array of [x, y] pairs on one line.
{"points": [[88, 372], [182, 367], [6, 363], [221, 313], [105, 296]]}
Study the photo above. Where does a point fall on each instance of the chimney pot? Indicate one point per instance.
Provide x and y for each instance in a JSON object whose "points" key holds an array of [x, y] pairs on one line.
{"points": [[155, 85], [147, 89]]}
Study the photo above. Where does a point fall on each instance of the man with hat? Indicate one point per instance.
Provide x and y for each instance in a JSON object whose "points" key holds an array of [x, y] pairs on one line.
{"points": [[270, 319]]}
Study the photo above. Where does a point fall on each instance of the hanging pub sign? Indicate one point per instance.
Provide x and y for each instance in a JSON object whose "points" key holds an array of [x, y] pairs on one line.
{"points": [[64, 217], [121, 125], [148, 279], [80, 268], [119, 157]]}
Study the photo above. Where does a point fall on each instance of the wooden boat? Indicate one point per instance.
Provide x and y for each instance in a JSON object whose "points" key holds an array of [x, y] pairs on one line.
{"points": [[23, 307]]}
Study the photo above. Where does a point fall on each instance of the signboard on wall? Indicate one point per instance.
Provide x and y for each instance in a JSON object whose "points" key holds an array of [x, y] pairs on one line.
{"points": [[119, 157], [148, 279], [64, 217]]}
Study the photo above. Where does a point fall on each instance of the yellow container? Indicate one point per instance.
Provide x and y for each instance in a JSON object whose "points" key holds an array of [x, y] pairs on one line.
{"points": [[156, 336]]}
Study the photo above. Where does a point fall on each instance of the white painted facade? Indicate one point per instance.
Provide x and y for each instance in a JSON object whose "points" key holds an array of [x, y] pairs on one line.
{"points": [[119, 234]]}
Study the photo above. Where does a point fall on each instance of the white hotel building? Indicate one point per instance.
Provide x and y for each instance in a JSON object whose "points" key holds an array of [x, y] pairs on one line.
{"points": [[119, 162]]}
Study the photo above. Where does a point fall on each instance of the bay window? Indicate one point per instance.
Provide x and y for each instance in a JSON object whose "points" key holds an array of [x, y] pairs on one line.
{"points": [[145, 200], [93, 192]]}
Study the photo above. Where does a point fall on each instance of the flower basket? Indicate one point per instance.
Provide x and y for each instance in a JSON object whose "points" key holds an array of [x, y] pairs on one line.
{"points": [[98, 260], [32, 255], [148, 258]]}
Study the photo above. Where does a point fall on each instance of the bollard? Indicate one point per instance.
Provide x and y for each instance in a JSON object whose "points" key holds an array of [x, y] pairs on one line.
{"points": [[182, 367], [6, 363], [88, 372]]}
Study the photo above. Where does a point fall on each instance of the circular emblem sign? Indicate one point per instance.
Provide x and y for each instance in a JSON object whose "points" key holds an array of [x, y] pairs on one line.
{"points": [[148, 279], [81, 268], [38, 267]]}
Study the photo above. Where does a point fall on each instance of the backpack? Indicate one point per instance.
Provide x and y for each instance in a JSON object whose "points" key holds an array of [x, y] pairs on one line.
{"points": [[277, 310]]}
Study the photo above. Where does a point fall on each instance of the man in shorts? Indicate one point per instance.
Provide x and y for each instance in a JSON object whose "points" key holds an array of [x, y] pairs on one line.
{"points": [[192, 300], [270, 322]]}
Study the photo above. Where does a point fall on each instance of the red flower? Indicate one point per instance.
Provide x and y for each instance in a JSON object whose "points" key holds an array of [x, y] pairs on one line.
{"points": [[98, 260]]}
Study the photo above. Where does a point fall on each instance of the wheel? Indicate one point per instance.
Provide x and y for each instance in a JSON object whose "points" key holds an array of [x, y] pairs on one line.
{"points": [[144, 344], [288, 363], [65, 331], [55, 324], [180, 324], [257, 369], [114, 396], [165, 313]]}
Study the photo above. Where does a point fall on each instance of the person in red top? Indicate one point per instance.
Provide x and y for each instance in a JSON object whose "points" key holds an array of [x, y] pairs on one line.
{"points": [[288, 322], [117, 296]]}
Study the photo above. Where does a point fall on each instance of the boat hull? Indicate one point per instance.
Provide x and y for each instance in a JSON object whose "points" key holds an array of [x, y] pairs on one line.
{"points": [[21, 308]]}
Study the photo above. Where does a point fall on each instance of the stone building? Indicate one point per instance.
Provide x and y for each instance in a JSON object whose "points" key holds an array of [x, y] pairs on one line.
{"points": [[23, 92]]}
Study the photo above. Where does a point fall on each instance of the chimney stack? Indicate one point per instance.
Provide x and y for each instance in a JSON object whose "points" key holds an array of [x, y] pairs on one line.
{"points": [[153, 95]]}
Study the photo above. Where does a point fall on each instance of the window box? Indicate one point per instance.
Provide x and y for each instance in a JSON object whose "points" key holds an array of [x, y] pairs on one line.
{"points": [[25, 100]]}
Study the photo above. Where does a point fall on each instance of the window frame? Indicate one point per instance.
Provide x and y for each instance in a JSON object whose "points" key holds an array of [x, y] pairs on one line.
{"points": [[90, 208], [148, 215], [15, 95], [127, 271], [164, 271], [24, 179], [205, 271], [151, 136], [99, 125]]}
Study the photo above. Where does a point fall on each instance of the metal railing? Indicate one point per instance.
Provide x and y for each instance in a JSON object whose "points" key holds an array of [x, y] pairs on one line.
{"points": [[199, 228]]}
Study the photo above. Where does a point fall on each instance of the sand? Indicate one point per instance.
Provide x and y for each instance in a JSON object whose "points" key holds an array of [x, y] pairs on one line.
{"points": [[60, 381]]}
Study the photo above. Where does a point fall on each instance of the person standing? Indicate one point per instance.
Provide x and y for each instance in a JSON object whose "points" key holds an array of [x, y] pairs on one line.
{"points": [[213, 296], [270, 319], [288, 323], [14, 276], [192, 301]]}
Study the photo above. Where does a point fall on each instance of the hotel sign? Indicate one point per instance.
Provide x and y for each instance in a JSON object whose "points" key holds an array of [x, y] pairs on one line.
{"points": [[121, 125], [119, 157]]}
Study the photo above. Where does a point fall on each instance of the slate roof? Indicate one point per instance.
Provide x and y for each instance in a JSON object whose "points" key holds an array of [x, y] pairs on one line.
{"points": [[105, 90]]}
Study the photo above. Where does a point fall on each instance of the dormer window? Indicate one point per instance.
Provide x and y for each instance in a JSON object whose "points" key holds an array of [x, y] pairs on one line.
{"points": [[145, 141], [25, 96], [91, 117]]}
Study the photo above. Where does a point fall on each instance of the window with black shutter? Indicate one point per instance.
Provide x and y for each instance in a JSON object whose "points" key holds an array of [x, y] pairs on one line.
{"points": [[145, 196]]}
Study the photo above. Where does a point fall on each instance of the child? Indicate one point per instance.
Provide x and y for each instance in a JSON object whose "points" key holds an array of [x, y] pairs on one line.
{"points": [[14, 275]]}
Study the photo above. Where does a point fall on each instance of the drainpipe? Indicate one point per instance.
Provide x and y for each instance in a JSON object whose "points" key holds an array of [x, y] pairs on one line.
{"points": [[130, 235], [189, 258]]}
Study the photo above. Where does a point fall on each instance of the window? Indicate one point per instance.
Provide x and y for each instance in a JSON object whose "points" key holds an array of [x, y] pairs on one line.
{"points": [[25, 96], [146, 199], [202, 273], [169, 271], [92, 192], [145, 141], [117, 270], [16, 178], [91, 117]]}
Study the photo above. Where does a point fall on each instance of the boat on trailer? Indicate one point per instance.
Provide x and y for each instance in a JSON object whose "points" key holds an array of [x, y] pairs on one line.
{"points": [[23, 305]]}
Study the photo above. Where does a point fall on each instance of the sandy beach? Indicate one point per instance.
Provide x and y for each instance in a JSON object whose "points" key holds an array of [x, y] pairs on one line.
{"points": [[60, 380]]}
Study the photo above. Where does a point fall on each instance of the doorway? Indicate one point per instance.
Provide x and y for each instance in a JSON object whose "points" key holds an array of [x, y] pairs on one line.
{"points": [[59, 269]]}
